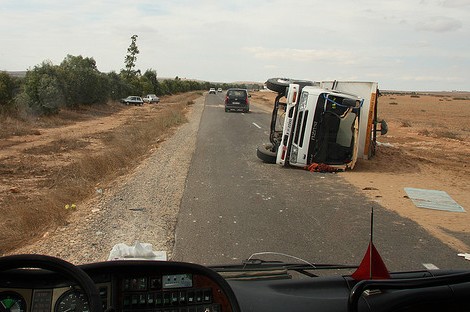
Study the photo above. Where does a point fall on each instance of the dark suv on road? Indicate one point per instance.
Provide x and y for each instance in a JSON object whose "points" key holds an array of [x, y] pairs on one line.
{"points": [[237, 99]]}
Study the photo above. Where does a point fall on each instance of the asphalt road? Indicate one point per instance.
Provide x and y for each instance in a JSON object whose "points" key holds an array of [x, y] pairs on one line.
{"points": [[234, 205]]}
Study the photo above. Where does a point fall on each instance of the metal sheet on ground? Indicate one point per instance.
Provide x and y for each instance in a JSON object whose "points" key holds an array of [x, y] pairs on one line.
{"points": [[432, 199]]}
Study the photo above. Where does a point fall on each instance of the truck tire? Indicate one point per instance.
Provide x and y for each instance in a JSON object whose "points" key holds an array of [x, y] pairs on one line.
{"points": [[280, 85], [265, 154]]}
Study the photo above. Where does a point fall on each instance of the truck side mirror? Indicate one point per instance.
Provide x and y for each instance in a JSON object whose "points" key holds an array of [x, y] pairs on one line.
{"points": [[383, 127]]}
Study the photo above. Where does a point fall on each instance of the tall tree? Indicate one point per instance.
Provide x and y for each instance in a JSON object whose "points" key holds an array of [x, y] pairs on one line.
{"points": [[131, 57]]}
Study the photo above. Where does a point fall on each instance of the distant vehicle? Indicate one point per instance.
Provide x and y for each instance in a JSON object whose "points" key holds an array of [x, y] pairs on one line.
{"points": [[212, 91], [219, 90], [151, 98], [237, 99], [133, 100]]}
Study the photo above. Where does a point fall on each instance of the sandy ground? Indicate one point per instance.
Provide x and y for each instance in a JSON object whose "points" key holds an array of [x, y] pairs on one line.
{"points": [[139, 206], [427, 148]]}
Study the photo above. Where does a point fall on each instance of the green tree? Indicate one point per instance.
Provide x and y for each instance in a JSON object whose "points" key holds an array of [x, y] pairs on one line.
{"points": [[146, 85], [131, 58], [8, 88], [82, 82], [150, 76], [117, 87], [42, 91], [163, 88]]}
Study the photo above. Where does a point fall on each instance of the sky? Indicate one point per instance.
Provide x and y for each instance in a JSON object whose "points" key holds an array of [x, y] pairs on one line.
{"points": [[408, 45]]}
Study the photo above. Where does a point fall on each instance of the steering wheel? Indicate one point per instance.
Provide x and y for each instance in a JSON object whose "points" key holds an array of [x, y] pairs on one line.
{"points": [[57, 265]]}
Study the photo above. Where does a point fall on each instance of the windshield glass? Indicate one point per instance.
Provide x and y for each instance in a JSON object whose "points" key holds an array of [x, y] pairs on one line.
{"points": [[87, 162], [236, 93]]}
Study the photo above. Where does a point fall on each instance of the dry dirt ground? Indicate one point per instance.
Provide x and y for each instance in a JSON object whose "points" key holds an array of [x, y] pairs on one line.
{"points": [[427, 147], [40, 157], [429, 138]]}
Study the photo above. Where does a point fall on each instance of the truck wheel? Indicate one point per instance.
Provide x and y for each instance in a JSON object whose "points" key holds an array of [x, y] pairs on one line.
{"points": [[278, 85], [265, 154]]}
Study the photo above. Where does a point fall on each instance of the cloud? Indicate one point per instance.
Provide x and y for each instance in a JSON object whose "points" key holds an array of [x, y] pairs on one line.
{"points": [[186, 38], [439, 24], [456, 3], [431, 78], [271, 66], [302, 55]]}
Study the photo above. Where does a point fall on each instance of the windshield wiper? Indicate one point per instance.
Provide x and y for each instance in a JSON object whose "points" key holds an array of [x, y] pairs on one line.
{"points": [[277, 269]]}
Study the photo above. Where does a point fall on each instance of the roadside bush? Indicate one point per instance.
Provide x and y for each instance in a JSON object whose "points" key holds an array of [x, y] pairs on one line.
{"points": [[424, 132], [117, 88], [82, 83], [147, 87], [163, 88], [77, 81], [42, 90], [150, 84], [447, 134], [8, 88], [406, 124]]}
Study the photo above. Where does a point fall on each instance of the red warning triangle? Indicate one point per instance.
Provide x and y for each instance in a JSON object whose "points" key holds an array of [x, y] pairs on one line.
{"points": [[372, 266]]}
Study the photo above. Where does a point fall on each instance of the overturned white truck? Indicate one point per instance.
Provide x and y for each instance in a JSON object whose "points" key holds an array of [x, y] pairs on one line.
{"points": [[329, 122]]}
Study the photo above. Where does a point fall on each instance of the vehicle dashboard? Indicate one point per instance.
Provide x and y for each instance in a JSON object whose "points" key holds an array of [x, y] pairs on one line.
{"points": [[122, 285], [161, 286]]}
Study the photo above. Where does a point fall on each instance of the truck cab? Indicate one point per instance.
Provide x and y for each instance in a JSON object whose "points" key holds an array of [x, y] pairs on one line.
{"points": [[327, 122], [325, 129]]}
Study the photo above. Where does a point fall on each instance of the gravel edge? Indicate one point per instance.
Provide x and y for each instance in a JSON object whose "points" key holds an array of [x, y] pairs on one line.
{"points": [[142, 206]]}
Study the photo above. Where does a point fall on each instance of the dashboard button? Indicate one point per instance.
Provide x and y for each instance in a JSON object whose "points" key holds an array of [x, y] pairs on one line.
{"points": [[183, 298], [207, 296], [198, 296], [158, 299], [142, 300], [126, 302], [166, 298], [134, 300], [174, 298], [150, 299], [191, 297]]}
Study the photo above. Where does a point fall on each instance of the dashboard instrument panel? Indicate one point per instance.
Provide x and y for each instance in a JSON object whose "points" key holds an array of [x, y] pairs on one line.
{"points": [[122, 285]]}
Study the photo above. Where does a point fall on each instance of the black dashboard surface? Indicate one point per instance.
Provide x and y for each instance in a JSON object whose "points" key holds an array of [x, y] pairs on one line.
{"points": [[160, 286]]}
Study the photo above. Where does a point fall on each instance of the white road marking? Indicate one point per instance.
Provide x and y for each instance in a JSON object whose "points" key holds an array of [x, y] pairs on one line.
{"points": [[257, 126], [430, 266]]}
